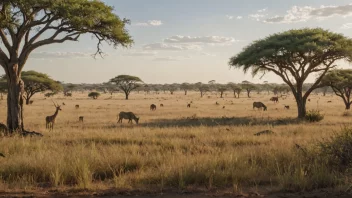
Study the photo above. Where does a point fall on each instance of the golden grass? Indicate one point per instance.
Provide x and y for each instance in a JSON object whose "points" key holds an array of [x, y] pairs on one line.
{"points": [[204, 146]]}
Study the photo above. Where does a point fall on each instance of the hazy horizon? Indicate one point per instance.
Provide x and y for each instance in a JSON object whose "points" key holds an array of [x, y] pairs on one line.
{"points": [[188, 40]]}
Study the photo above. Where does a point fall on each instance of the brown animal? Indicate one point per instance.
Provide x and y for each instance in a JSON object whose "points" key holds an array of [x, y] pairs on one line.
{"points": [[287, 107], [329, 101], [308, 99], [129, 116], [50, 120], [189, 105], [80, 119], [259, 105], [217, 103], [31, 102], [223, 107], [274, 99], [161, 105], [63, 104], [152, 107], [77, 106]]}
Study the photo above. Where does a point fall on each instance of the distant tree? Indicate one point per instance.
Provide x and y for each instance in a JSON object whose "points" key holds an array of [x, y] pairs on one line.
{"points": [[50, 94], [186, 87], [221, 89], [295, 55], [249, 88], [203, 88], [111, 88], [341, 83], [35, 82], [94, 95], [126, 83], [235, 88], [171, 88]]}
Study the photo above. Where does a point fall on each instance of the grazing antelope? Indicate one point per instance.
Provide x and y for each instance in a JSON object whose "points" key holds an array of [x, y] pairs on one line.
{"points": [[50, 120], [129, 116], [152, 107], [329, 101], [31, 102], [275, 99], [189, 105], [259, 105], [77, 106], [63, 104], [287, 107], [80, 119], [161, 105]]}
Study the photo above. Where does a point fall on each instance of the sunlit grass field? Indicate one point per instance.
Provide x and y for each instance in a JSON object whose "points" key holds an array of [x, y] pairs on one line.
{"points": [[205, 147]]}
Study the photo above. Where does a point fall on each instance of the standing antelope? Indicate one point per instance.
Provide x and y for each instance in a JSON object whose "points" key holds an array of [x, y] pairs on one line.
{"points": [[50, 120]]}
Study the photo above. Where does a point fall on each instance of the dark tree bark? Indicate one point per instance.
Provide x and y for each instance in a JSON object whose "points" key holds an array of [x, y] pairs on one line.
{"points": [[14, 99]]}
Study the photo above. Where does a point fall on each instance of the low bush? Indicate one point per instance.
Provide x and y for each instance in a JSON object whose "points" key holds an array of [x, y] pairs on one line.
{"points": [[314, 116]]}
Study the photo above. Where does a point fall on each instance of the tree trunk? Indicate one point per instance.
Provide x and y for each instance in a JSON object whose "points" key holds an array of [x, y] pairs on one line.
{"points": [[27, 101], [126, 94], [234, 94], [221, 93], [201, 94], [14, 99], [185, 92], [248, 92], [301, 105], [348, 105]]}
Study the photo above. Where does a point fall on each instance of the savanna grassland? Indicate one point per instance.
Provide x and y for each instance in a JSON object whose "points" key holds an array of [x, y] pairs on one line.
{"points": [[202, 148]]}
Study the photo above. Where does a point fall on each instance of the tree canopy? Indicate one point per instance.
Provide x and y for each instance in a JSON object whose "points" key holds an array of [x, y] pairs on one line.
{"points": [[35, 82], [340, 80], [94, 95], [126, 83], [294, 55], [26, 21]]}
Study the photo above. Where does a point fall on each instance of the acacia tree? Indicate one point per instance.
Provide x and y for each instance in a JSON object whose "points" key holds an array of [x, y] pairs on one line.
{"points": [[126, 83], [203, 88], [249, 88], [341, 83], [185, 87], [295, 55], [35, 82], [26, 25], [222, 89], [235, 88]]}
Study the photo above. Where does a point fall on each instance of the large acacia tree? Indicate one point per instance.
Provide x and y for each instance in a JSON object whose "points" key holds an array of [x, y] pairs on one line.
{"points": [[340, 80], [127, 83], [294, 56], [26, 25]]}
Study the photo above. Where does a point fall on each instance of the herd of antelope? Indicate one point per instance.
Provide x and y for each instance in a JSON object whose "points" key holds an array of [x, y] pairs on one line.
{"points": [[50, 120]]}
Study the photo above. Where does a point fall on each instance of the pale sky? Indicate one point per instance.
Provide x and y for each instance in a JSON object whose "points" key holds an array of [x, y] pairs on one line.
{"points": [[188, 40]]}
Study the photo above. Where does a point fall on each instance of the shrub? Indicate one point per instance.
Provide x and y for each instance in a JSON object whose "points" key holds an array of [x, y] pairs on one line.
{"points": [[94, 95], [337, 150], [314, 116]]}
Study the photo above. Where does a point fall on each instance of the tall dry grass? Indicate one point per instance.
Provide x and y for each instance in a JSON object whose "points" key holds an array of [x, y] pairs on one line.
{"points": [[205, 146]]}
